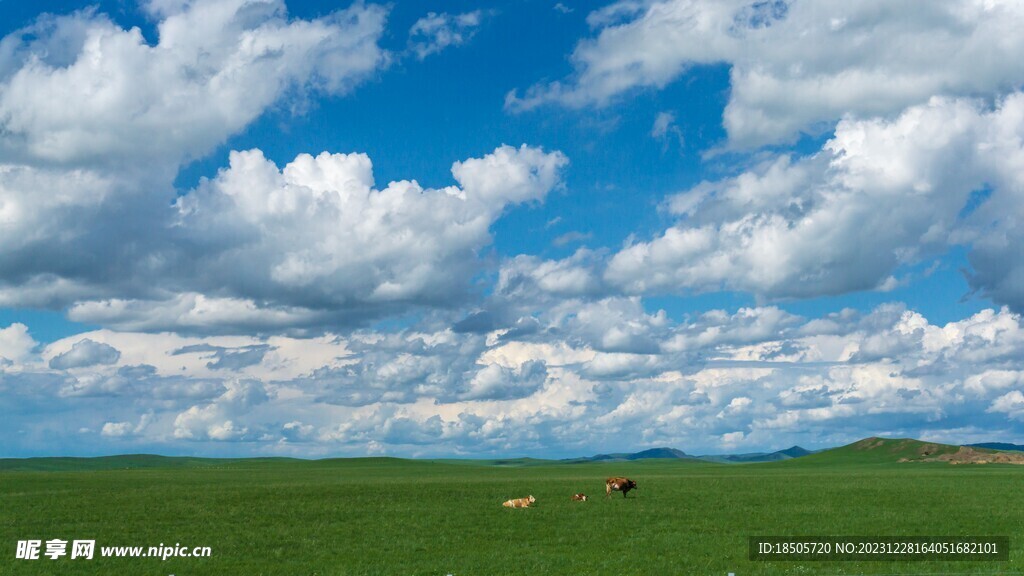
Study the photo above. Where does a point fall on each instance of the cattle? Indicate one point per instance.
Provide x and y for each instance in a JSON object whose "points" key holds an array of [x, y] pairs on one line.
{"points": [[579, 497], [619, 483], [520, 502]]}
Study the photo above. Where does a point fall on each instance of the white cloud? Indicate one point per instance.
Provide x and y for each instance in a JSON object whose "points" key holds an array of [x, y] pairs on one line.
{"points": [[1011, 404], [879, 195], [126, 429], [610, 324], [526, 279], [281, 246], [116, 429], [85, 353], [15, 342], [209, 358], [296, 431], [190, 312], [108, 162], [732, 439], [495, 382], [216, 420], [217, 65], [318, 234], [665, 129], [435, 32], [794, 65]]}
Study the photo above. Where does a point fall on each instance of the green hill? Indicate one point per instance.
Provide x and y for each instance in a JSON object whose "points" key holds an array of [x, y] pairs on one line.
{"points": [[876, 450]]}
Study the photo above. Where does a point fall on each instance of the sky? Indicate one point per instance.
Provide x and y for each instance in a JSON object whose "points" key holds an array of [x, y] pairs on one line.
{"points": [[530, 228]]}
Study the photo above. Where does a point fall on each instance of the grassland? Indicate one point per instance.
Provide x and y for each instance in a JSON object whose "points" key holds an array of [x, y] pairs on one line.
{"points": [[389, 516]]}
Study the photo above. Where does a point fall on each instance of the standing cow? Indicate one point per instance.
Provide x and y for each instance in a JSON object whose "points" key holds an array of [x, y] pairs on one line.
{"points": [[619, 483]]}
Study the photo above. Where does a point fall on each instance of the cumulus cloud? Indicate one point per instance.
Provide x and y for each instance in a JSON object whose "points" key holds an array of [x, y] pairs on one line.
{"points": [[15, 342], [611, 325], [216, 420], [127, 429], [1011, 404], [141, 111], [278, 247], [116, 429], [879, 195], [85, 353], [495, 382], [794, 65], [216, 66], [527, 279], [317, 234], [435, 32]]}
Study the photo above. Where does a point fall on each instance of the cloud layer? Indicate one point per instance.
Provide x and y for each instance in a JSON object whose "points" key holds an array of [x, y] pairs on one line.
{"points": [[583, 380]]}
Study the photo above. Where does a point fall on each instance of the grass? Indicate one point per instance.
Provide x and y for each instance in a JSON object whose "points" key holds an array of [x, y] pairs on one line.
{"points": [[389, 516]]}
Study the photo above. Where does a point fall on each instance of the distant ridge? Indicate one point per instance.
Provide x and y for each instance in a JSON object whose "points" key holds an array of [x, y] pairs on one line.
{"points": [[787, 454], [998, 446], [651, 453]]}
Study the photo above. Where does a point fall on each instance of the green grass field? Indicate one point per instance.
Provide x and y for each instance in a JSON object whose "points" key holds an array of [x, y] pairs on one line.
{"points": [[389, 516]]}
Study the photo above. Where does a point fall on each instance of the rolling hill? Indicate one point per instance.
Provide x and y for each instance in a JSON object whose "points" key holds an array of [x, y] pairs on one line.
{"points": [[876, 450]]}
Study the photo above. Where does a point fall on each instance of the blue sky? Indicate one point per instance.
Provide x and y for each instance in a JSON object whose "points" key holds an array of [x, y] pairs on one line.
{"points": [[241, 227]]}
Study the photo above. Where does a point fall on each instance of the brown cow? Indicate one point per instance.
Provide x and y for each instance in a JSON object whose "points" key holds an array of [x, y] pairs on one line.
{"points": [[581, 497], [520, 502], [619, 483]]}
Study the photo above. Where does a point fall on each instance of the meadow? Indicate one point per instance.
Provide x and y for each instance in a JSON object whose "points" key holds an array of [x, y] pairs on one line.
{"points": [[390, 516]]}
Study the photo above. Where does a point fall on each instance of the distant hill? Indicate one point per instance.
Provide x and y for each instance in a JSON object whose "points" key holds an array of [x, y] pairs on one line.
{"points": [[652, 453], [788, 453], [876, 450], [627, 456], [998, 446]]}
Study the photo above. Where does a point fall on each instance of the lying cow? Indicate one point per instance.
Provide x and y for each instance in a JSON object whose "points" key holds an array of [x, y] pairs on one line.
{"points": [[579, 497], [619, 483], [520, 502]]}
